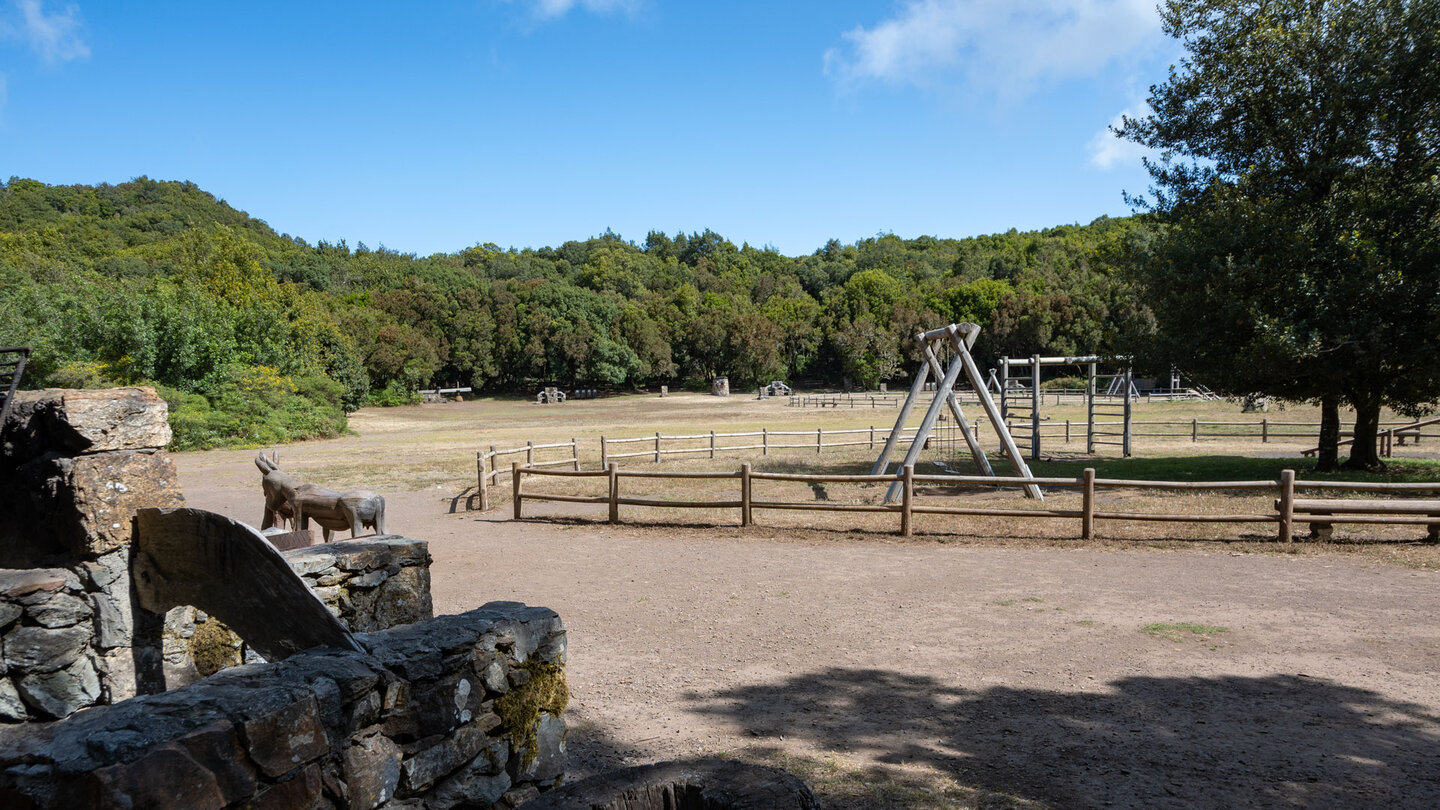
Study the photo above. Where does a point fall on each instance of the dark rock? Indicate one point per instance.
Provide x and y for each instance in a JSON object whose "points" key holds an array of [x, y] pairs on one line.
{"points": [[284, 739], [372, 770], [548, 762], [439, 756], [482, 781], [60, 610], [299, 792], [24, 582], [41, 649], [167, 776], [11, 706], [63, 692]]}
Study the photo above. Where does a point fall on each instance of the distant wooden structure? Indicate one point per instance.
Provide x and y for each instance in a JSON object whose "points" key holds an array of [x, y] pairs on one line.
{"points": [[1022, 402], [957, 339], [550, 396]]}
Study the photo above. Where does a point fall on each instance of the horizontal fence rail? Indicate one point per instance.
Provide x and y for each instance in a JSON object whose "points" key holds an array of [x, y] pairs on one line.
{"points": [[1400, 512], [491, 470]]}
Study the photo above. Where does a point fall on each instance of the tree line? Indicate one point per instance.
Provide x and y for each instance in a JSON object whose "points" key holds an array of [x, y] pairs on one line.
{"points": [[256, 336]]}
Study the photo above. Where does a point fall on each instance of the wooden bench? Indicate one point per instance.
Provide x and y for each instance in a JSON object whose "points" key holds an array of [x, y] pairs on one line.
{"points": [[1322, 515]]}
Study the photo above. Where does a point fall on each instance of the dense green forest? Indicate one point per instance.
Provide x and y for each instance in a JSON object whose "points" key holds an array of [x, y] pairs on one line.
{"points": [[258, 337]]}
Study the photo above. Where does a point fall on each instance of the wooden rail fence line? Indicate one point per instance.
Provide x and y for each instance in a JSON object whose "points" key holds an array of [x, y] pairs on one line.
{"points": [[1404, 512]]}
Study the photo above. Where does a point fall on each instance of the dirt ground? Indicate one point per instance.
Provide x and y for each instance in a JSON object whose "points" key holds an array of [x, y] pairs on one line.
{"points": [[922, 674]]}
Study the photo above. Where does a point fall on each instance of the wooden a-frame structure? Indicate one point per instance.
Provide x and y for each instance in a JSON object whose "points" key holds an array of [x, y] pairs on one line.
{"points": [[959, 337]]}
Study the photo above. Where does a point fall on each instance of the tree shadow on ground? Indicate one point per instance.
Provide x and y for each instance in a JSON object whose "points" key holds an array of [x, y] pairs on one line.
{"points": [[1275, 741]]}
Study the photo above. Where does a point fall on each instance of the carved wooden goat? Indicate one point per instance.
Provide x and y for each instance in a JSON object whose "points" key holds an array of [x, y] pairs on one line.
{"points": [[287, 499]]}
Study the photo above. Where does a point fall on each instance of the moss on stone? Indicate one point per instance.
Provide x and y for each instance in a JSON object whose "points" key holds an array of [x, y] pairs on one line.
{"points": [[214, 647], [520, 708]]}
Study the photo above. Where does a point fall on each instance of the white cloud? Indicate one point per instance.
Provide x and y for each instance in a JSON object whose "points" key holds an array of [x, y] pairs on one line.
{"points": [[550, 9], [54, 36], [996, 46], [1108, 151]]}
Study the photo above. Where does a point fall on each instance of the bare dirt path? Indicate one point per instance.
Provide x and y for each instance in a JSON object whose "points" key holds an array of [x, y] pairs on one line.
{"points": [[921, 674]]}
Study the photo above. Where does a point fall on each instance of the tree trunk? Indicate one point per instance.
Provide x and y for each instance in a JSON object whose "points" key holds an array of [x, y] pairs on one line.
{"points": [[1327, 458], [1364, 453]]}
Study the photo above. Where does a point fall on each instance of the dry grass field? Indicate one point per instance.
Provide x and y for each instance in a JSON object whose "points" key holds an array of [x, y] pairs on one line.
{"points": [[983, 662]]}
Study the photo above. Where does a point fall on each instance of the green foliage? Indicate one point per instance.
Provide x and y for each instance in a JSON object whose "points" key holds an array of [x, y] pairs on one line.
{"points": [[1297, 247], [255, 335]]}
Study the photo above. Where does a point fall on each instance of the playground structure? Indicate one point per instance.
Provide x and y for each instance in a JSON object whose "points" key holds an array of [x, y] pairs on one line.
{"points": [[1021, 402], [776, 388], [550, 396], [956, 339]]}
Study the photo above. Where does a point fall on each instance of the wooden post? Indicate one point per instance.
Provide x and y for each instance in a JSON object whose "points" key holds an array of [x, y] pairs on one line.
{"points": [[1036, 398], [712, 444], [872, 437], [481, 488], [1194, 430], [529, 453], [1125, 438], [745, 515], [613, 473], [657, 447], [765, 441], [604, 452], [819, 439], [575, 446], [1087, 508], [907, 489], [1265, 430], [1067, 429], [1287, 506], [494, 473], [515, 486]]}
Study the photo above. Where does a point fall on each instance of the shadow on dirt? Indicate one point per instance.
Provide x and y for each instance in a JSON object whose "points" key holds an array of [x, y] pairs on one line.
{"points": [[1281, 740]]}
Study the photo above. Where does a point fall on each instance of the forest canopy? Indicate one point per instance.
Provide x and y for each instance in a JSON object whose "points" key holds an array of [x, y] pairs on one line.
{"points": [[258, 337]]}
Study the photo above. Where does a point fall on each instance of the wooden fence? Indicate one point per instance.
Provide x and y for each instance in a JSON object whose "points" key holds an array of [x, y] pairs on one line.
{"points": [[491, 476], [1088, 484]]}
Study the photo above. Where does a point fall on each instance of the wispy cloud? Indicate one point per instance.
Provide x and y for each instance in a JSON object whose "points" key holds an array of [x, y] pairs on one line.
{"points": [[550, 9], [997, 47], [53, 35], [1108, 151]]}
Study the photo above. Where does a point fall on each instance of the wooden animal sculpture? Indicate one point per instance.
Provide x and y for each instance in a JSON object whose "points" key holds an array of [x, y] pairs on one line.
{"points": [[279, 487], [336, 511]]}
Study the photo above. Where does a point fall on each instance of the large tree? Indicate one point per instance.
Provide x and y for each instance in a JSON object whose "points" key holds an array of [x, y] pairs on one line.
{"points": [[1297, 202]]}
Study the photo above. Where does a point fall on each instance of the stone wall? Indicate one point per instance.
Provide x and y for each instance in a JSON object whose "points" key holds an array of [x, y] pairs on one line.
{"points": [[456, 711], [369, 584]]}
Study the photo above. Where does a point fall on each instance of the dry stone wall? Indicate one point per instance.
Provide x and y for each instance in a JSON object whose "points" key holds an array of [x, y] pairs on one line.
{"points": [[456, 711]]}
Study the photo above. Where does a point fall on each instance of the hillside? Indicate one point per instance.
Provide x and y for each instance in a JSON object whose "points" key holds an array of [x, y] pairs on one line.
{"points": [[258, 337]]}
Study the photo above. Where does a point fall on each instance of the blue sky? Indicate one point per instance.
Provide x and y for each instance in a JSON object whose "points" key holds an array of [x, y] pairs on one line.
{"points": [[430, 127]]}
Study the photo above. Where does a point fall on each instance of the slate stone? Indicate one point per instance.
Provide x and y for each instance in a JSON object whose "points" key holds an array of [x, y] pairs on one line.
{"points": [[440, 756], [11, 706], [20, 583], [404, 598], [114, 618], [60, 610], [117, 675], [299, 792], [482, 781], [42, 649], [284, 739], [63, 692], [89, 500], [372, 770], [549, 761], [9, 612], [217, 747], [166, 776]]}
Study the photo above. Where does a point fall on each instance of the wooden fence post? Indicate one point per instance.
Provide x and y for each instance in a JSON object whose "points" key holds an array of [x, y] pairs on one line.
{"points": [[529, 453], [819, 439], [1067, 430], [604, 452], [745, 515], [872, 437], [657, 447], [765, 441], [1287, 506], [515, 486], [613, 473], [1087, 506], [575, 446], [481, 489], [1265, 430], [494, 469], [712, 444], [907, 478], [1194, 430]]}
